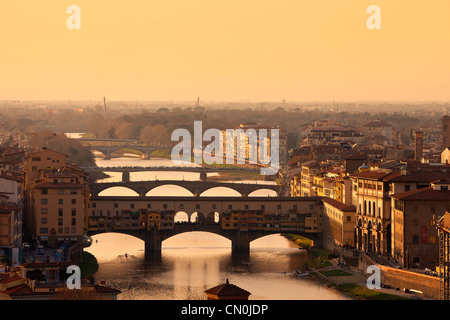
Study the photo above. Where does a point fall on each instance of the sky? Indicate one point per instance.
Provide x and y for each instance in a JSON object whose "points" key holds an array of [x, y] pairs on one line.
{"points": [[225, 50]]}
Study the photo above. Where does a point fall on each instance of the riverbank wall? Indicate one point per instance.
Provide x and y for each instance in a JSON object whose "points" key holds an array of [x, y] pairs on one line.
{"points": [[403, 279]]}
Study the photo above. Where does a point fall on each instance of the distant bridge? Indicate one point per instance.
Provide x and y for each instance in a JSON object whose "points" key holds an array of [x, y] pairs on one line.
{"points": [[113, 145], [195, 187]]}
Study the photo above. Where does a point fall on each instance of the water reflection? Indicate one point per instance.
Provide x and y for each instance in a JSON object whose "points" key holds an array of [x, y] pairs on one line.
{"points": [[192, 262]]}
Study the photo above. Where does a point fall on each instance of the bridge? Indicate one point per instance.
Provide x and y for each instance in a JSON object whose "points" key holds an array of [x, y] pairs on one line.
{"points": [[241, 220], [199, 169], [113, 145], [195, 187], [107, 151]]}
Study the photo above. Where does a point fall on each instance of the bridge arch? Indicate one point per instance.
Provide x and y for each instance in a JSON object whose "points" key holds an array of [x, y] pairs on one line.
{"points": [[181, 217], [100, 153], [263, 192], [228, 191], [124, 191], [171, 189], [219, 236], [125, 148]]}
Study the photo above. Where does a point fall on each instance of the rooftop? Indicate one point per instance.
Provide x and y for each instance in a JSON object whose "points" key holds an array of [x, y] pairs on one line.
{"points": [[227, 290], [423, 194]]}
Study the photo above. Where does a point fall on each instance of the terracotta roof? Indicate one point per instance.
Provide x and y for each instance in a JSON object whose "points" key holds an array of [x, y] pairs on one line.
{"points": [[375, 175], [20, 290], [422, 176], [423, 194], [227, 290], [339, 205], [10, 279], [103, 289]]}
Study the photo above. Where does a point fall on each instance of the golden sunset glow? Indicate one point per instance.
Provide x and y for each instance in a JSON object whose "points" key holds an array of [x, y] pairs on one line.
{"points": [[225, 50]]}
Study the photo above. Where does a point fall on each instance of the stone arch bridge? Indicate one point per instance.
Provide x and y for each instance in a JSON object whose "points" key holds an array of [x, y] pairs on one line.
{"points": [[195, 187], [241, 220]]}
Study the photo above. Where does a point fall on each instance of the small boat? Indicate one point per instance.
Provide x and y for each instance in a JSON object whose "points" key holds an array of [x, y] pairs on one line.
{"points": [[300, 274]]}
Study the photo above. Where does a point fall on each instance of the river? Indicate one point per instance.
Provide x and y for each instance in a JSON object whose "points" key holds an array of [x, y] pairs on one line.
{"points": [[194, 262]]}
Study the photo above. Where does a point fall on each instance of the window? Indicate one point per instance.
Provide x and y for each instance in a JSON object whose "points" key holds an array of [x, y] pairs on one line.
{"points": [[197, 206], [262, 207], [246, 206], [60, 201], [149, 205], [60, 191], [181, 206], [407, 187], [116, 205], [66, 230], [279, 206], [74, 201], [44, 220], [230, 206], [43, 210], [60, 222], [164, 206], [74, 212], [349, 218], [74, 230], [44, 191], [74, 221], [132, 205], [44, 230], [214, 206], [60, 212], [44, 201]]}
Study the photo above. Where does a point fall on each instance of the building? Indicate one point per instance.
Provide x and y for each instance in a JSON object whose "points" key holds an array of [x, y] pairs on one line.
{"points": [[46, 281], [415, 236], [57, 198], [338, 223], [418, 145], [379, 131], [373, 216], [11, 215], [227, 291], [11, 231], [252, 142], [59, 207], [445, 156]]}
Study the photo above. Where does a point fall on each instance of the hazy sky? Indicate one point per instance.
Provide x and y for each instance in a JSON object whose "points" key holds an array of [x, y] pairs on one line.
{"points": [[253, 50]]}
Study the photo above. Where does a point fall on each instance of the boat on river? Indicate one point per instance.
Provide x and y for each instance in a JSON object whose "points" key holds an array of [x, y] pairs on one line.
{"points": [[300, 274]]}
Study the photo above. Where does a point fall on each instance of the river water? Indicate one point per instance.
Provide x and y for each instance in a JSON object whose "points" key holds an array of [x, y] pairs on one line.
{"points": [[194, 262]]}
